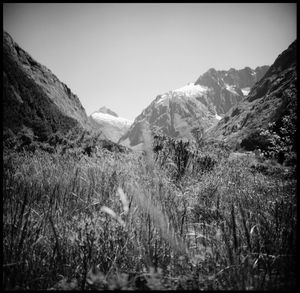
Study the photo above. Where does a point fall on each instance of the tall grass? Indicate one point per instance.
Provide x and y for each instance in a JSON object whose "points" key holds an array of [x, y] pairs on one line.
{"points": [[123, 221]]}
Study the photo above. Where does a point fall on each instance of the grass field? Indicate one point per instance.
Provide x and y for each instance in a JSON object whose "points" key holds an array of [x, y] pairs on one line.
{"points": [[142, 221]]}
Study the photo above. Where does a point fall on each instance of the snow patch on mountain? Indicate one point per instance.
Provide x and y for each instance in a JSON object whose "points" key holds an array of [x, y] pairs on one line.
{"points": [[218, 117], [163, 99], [186, 92], [231, 89], [192, 90], [245, 91], [115, 121]]}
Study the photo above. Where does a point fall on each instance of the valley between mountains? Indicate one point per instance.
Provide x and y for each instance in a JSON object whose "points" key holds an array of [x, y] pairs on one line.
{"points": [[198, 192]]}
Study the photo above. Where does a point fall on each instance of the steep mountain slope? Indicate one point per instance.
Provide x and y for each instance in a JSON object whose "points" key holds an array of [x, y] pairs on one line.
{"points": [[175, 113], [108, 122], [34, 97], [179, 112], [272, 100]]}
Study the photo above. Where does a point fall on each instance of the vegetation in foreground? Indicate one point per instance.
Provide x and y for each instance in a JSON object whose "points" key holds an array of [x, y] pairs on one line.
{"points": [[175, 218]]}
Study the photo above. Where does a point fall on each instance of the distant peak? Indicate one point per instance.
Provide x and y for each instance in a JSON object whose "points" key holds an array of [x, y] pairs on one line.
{"points": [[212, 70], [106, 110]]}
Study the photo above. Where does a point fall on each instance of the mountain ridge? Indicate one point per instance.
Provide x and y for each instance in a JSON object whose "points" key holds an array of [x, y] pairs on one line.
{"points": [[177, 113], [110, 124]]}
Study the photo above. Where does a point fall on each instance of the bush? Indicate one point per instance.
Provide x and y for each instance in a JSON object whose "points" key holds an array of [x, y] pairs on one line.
{"points": [[42, 130], [273, 142], [256, 140], [206, 163], [9, 139], [56, 139], [25, 136]]}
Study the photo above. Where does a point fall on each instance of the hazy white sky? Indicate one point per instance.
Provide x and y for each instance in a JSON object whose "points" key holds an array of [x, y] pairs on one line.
{"points": [[124, 55]]}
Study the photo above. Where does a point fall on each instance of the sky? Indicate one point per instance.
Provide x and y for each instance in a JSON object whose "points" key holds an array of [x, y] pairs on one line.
{"points": [[123, 55]]}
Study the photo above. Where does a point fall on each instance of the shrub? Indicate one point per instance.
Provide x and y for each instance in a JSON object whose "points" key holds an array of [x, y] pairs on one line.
{"points": [[256, 140], [9, 139], [42, 130]]}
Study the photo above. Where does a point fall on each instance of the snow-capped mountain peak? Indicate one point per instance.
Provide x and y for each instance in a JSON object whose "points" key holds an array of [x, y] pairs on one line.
{"points": [[111, 125], [186, 92], [175, 113], [106, 110]]}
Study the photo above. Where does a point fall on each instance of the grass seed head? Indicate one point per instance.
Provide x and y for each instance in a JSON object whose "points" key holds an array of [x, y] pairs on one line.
{"points": [[110, 212], [123, 199]]}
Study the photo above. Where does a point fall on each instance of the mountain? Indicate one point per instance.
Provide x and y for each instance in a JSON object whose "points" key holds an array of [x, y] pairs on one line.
{"points": [[196, 106], [34, 97], [270, 105], [108, 122], [175, 113]]}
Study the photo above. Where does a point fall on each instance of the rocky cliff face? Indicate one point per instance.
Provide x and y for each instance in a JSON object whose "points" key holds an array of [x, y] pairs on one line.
{"points": [[110, 124], [227, 88], [198, 106], [33, 95], [270, 100]]}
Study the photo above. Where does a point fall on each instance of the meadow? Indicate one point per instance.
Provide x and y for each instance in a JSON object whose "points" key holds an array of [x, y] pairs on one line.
{"points": [[155, 220]]}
